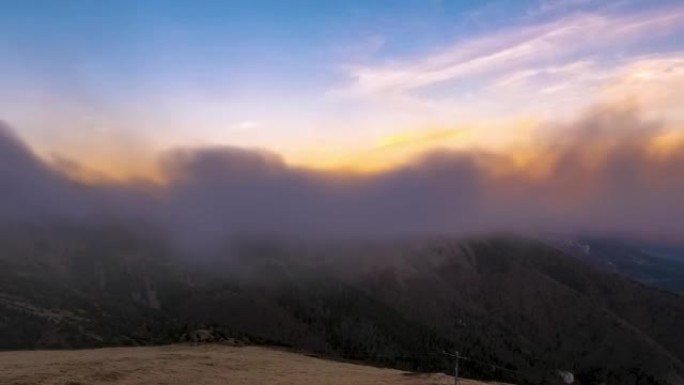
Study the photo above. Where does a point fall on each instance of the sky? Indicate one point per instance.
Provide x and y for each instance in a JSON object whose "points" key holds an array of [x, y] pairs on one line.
{"points": [[209, 119], [337, 85]]}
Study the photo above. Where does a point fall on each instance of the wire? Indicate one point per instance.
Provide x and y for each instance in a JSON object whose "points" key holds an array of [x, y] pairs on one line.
{"points": [[444, 354]]}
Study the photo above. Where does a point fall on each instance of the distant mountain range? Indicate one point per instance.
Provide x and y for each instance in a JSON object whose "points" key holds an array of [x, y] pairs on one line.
{"points": [[519, 310], [655, 265]]}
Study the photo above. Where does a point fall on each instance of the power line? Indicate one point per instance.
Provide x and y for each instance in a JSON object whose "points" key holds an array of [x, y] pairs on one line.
{"points": [[494, 367]]}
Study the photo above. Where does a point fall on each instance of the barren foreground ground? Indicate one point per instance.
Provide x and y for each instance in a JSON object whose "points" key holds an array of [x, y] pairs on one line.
{"points": [[196, 365]]}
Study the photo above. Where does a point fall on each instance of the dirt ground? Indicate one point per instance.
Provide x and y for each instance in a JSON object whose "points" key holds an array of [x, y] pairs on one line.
{"points": [[195, 365]]}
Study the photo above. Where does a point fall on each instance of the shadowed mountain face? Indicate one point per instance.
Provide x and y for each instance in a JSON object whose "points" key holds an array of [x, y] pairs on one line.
{"points": [[517, 304]]}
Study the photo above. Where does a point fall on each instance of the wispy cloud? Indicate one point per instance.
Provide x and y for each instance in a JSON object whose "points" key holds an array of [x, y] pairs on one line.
{"points": [[551, 6], [573, 69], [511, 50], [246, 125]]}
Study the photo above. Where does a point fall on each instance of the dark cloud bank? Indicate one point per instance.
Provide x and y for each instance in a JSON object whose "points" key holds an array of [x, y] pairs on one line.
{"points": [[602, 179]]}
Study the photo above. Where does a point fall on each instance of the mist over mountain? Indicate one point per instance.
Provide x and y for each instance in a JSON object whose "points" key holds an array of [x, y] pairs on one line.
{"points": [[608, 175], [390, 268]]}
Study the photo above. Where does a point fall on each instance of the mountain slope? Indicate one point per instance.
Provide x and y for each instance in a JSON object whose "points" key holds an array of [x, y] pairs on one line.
{"points": [[518, 309]]}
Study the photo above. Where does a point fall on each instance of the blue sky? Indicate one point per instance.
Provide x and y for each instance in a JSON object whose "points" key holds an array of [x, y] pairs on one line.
{"points": [[323, 82]]}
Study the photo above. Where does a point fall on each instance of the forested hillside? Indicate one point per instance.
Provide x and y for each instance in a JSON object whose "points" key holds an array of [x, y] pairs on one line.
{"points": [[519, 310]]}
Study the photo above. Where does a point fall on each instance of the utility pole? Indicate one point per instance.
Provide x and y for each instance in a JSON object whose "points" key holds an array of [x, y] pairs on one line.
{"points": [[456, 369], [456, 357]]}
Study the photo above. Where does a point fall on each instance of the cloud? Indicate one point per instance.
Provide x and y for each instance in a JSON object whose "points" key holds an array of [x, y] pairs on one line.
{"points": [[29, 189], [246, 125], [411, 139], [552, 6], [576, 70], [604, 175], [568, 56], [655, 80], [511, 47]]}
